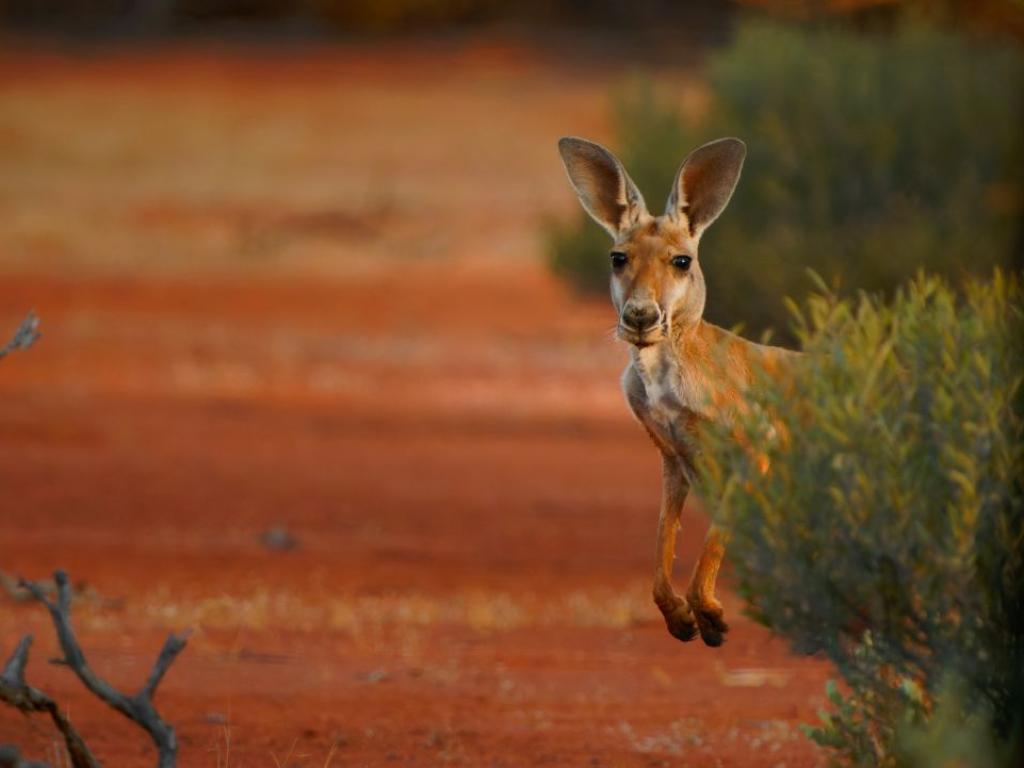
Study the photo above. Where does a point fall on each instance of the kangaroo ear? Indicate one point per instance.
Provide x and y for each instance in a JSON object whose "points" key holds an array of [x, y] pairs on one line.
{"points": [[705, 183], [602, 184]]}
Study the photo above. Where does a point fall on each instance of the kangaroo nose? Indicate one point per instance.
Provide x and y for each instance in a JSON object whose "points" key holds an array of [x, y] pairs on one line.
{"points": [[641, 317]]}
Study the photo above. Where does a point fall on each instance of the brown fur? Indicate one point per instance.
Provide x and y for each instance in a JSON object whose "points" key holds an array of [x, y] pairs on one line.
{"points": [[682, 369]]}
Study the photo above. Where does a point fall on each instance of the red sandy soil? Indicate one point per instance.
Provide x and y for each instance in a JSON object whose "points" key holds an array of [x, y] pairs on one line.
{"points": [[472, 507]]}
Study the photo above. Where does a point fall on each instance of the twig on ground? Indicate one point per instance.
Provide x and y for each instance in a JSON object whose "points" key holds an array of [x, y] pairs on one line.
{"points": [[16, 692], [24, 337], [10, 757], [139, 708]]}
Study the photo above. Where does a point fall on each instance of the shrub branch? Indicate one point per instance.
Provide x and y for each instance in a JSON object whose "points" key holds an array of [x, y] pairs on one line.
{"points": [[138, 708], [19, 694], [24, 337]]}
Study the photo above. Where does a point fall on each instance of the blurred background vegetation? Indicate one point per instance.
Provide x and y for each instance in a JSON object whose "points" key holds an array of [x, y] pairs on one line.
{"points": [[870, 155], [166, 17], [83, 18]]}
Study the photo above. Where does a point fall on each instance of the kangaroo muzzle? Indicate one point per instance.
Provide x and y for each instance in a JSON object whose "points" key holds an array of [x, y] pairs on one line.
{"points": [[640, 317]]}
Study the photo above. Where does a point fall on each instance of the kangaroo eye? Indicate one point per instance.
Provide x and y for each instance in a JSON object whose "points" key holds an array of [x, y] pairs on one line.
{"points": [[619, 259], [682, 263]]}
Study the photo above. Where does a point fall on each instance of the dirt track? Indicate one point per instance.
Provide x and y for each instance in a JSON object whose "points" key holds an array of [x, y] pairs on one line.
{"points": [[440, 432]]}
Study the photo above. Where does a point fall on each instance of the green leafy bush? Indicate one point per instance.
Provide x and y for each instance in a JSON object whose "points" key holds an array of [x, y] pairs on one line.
{"points": [[870, 157], [888, 533]]}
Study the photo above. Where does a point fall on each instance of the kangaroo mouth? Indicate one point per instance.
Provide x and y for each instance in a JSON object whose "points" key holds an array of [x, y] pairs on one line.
{"points": [[641, 340]]}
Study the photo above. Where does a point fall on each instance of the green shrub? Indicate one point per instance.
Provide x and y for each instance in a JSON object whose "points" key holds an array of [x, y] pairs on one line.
{"points": [[888, 533], [870, 157]]}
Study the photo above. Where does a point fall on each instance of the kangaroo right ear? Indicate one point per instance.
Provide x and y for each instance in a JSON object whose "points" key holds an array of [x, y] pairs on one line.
{"points": [[602, 184], [705, 182]]}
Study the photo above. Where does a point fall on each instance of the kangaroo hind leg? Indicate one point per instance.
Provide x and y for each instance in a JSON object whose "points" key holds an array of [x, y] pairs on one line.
{"points": [[707, 610]]}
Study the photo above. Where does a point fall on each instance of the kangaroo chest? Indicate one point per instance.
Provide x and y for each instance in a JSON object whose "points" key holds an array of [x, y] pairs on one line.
{"points": [[666, 397]]}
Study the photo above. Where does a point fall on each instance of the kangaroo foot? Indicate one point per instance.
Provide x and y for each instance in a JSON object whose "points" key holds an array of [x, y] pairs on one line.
{"points": [[680, 622], [709, 615]]}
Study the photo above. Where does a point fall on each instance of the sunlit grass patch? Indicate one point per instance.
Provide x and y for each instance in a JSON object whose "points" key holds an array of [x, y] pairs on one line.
{"points": [[476, 610]]}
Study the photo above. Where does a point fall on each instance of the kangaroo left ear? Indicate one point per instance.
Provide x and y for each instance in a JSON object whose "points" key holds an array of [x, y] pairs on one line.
{"points": [[705, 182]]}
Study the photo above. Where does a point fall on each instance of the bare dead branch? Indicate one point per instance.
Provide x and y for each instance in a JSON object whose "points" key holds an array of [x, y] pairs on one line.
{"points": [[17, 693], [139, 708], [173, 645], [14, 670], [24, 337], [10, 757]]}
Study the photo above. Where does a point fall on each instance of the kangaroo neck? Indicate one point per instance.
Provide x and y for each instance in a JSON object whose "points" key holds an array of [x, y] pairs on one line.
{"points": [[685, 337]]}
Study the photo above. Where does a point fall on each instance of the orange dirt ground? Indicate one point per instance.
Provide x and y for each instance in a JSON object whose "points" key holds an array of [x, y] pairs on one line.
{"points": [[381, 366]]}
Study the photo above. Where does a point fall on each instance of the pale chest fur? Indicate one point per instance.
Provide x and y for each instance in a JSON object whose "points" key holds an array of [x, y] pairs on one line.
{"points": [[667, 397]]}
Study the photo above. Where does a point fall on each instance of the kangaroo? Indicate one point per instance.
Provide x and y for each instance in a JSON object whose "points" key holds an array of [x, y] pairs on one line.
{"points": [[682, 369]]}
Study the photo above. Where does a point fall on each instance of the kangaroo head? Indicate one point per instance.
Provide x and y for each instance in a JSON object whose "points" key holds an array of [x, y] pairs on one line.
{"points": [[656, 277]]}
